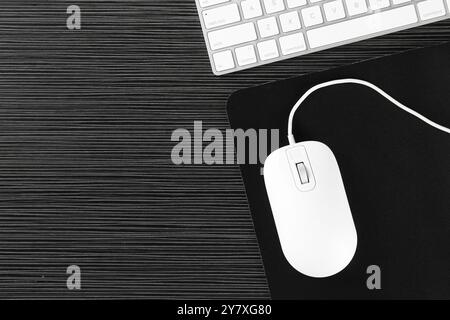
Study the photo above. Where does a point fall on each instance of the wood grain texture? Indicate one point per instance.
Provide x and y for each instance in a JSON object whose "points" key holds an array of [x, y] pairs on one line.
{"points": [[85, 172]]}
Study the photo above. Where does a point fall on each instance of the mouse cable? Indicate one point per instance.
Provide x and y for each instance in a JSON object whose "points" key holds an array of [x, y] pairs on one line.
{"points": [[364, 83]]}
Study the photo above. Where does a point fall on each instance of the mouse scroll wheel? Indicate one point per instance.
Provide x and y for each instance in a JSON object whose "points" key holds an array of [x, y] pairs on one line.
{"points": [[302, 172]]}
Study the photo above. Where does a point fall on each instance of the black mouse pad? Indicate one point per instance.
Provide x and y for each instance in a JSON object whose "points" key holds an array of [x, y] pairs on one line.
{"points": [[396, 171]]}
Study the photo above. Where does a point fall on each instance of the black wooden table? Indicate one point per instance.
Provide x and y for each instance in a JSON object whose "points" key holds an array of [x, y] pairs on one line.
{"points": [[86, 176]]}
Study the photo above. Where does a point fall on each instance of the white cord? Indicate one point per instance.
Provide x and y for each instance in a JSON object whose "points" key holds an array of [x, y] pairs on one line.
{"points": [[364, 83]]}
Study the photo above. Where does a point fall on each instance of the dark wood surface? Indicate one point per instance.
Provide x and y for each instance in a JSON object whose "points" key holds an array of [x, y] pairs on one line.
{"points": [[86, 176]]}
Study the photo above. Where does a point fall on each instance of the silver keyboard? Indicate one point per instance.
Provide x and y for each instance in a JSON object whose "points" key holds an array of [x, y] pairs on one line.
{"points": [[242, 34]]}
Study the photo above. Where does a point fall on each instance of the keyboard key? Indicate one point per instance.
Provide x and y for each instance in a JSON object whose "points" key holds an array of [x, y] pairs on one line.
{"points": [[312, 16], [290, 21], [273, 5], [251, 9], [378, 4], [400, 1], [355, 7], [362, 26], [430, 9], [334, 10], [295, 3], [221, 16], [232, 36], [208, 3], [223, 60], [245, 55], [268, 27], [268, 50], [292, 43]]}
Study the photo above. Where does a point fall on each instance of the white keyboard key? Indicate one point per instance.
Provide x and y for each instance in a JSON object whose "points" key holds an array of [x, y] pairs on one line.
{"points": [[268, 50], [314, 1], [245, 55], [208, 3], [295, 3], [292, 43], [221, 16], [362, 26], [251, 9], [378, 4], [223, 60], [290, 21], [400, 1], [268, 27], [273, 5], [232, 36], [430, 9], [355, 7], [312, 16], [334, 10]]}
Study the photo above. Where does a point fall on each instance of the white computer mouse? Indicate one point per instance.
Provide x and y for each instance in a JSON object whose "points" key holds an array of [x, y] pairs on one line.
{"points": [[310, 208]]}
